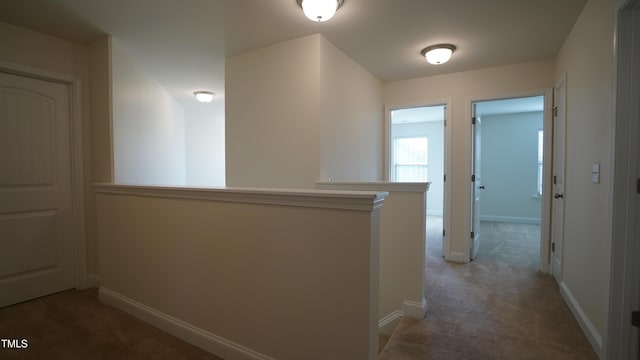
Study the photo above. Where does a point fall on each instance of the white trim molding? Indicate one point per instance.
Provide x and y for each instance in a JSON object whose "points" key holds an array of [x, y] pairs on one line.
{"points": [[414, 309], [594, 337], [374, 186], [510, 219], [203, 339], [388, 324], [410, 308], [456, 256], [346, 200]]}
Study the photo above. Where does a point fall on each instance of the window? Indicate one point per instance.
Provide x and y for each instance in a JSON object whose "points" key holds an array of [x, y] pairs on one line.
{"points": [[540, 155], [410, 159]]}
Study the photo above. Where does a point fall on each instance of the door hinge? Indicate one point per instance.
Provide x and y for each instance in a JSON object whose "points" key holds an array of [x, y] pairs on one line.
{"points": [[638, 186], [473, 120], [444, 232], [553, 247], [445, 178], [473, 235], [555, 179], [555, 110], [635, 318], [473, 178]]}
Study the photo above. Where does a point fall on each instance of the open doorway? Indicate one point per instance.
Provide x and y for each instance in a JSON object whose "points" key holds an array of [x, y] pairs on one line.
{"points": [[417, 154], [507, 180]]}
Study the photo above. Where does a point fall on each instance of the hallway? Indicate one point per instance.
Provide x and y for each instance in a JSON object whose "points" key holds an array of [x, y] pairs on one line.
{"points": [[496, 307]]}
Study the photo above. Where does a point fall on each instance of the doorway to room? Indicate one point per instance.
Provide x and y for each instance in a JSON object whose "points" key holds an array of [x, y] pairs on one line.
{"points": [[507, 180], [417, 153]]}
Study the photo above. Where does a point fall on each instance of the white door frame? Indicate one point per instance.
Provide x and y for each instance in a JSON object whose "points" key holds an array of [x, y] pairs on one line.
{"points": [[558, 112], [545, 225], [77, 175], [446, 211], [476, 182], [621, 339]]}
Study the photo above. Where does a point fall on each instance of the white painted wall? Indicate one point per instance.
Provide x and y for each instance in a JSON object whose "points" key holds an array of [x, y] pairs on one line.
{"points": [[462, 88], [148, 126], [509, 167], [273, 115], [253, 274], [434, 131], [587, 60], [402, 247], [204, 145], [300, 111], [351, 142]]}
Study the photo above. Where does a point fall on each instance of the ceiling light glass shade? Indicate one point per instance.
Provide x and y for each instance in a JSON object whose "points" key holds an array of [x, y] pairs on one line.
{"points": [[438, 54], [204, 96], [320, 10]]}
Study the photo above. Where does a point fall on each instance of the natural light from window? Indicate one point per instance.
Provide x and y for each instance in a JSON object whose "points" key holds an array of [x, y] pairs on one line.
{"points": [[410, 156], [540, 155]]}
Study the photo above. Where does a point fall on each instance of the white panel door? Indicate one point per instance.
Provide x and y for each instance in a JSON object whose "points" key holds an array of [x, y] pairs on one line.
{"points": [[36, 243], [557, 209]]}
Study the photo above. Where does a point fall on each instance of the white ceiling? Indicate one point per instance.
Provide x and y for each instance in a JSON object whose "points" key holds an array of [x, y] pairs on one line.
{"points": [[183, 43]]}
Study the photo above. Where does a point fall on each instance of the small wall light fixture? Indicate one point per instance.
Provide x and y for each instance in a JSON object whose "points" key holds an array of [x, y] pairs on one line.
{"points": [[320, 10], [438, 54], [204, 96]]}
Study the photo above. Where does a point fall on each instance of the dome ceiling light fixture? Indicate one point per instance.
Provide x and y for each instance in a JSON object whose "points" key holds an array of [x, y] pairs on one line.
{"points": [[320, 10], [438, 54], [204, 96]]}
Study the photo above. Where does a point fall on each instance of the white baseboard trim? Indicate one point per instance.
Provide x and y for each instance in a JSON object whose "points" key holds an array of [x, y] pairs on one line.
{"points": [[388, 324], [87, 281], [410, 308], [511, 219], [201, 338], [456, 257], [93, 280], [414, 309], [583, 320]]}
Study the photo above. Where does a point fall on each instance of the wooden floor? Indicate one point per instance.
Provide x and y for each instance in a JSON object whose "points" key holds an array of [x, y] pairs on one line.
{"points": [[75, 325]]}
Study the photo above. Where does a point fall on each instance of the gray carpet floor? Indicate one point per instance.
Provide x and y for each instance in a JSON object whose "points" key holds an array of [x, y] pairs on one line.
{"points": [[75, 325], [496, 307]]}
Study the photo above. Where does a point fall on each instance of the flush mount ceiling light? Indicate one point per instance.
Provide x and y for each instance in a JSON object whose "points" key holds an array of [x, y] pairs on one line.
{"points": [[204, 96], [438, 54], [320, 10]]}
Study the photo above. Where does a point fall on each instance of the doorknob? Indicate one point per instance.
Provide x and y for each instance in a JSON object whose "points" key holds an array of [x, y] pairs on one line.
{"points": [[481, 187], [558, 196]]}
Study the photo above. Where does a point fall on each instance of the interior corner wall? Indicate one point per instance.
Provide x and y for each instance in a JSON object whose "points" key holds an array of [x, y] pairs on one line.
{"points": [[148, 126], [351, 142], [460, 89], [509, 167], [587, 60], [273, 115], [298, 112]]}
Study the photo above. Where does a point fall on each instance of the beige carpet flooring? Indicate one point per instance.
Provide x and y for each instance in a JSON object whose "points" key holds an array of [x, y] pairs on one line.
{"points": [[75, 325], [496, 307]]}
